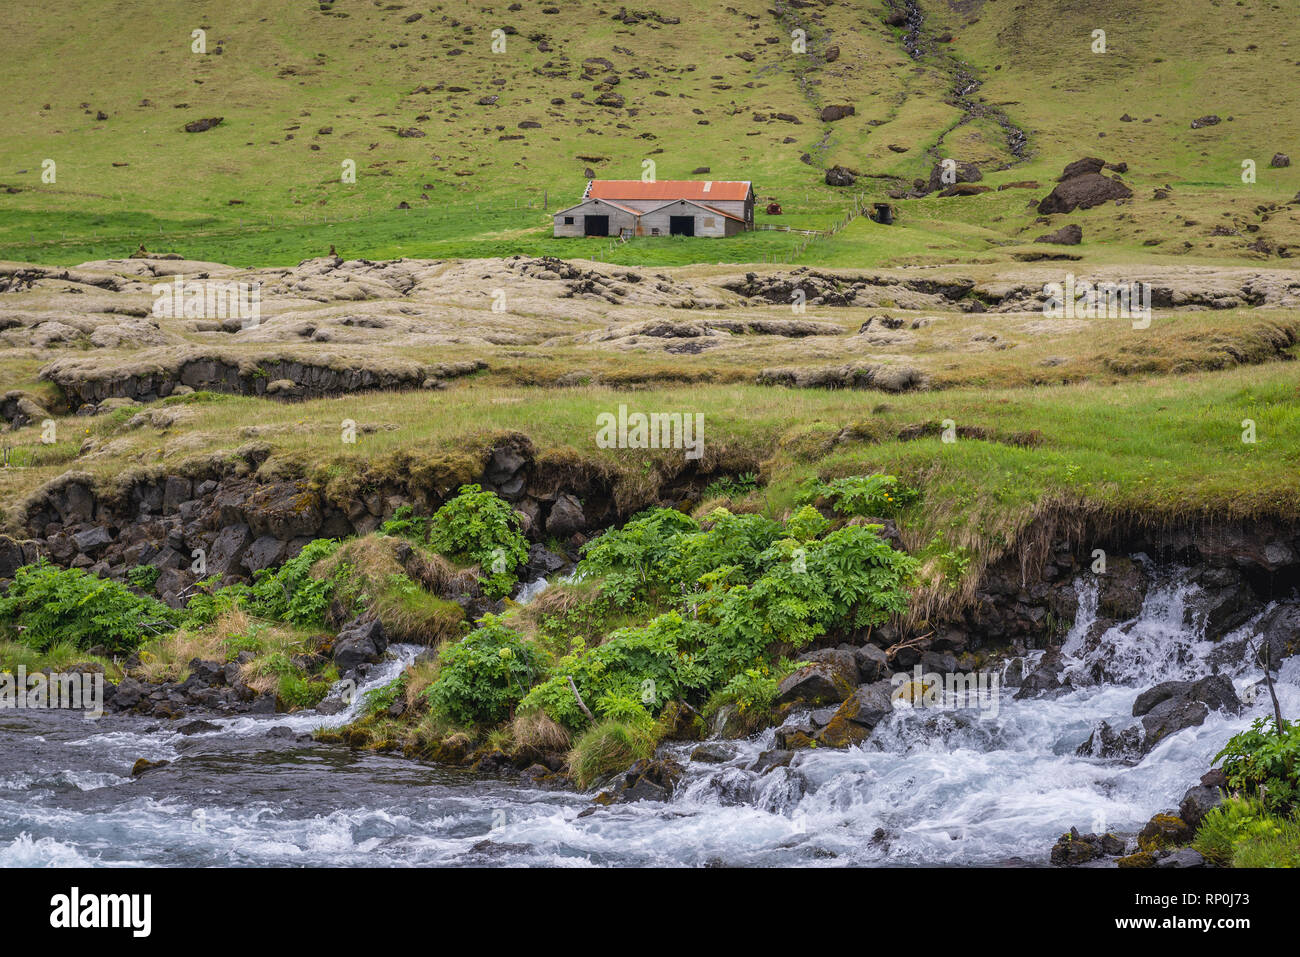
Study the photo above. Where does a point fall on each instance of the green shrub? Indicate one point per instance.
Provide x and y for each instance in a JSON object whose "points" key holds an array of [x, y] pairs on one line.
{"points": [[406, 524], [651, 663], [877, 495], [731, 487], [637, 559], [144, 577], [45, 605], [732, 541], [381, 699], [609, 747], [806, 524], [1241, 832], [483, 528], [291, 593], [1265, 763], [208, 603], [485, 674]]}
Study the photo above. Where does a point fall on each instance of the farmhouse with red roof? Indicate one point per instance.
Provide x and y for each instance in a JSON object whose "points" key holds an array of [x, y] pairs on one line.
{"points": [[631, 207]]}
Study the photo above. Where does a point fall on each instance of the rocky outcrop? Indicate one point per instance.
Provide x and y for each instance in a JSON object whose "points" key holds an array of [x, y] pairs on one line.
{"points": [[884, 378], [1082, 186], [1073, 849], [89, 381], [1171, 706], [359, 642]]}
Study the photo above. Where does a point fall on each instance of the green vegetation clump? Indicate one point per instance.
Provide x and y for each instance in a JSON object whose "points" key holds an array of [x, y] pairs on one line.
{"points": [[609, 747], [1242, 832], [1265, 763], [483, 676], [877, 496], [295, 688], [290, 593], [735, 593], [46, 605], [481, 527], [144, 577]]}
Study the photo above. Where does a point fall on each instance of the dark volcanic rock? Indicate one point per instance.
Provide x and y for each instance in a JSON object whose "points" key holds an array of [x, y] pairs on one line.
{"points": [[839, 176], [816, 684], [202, 126], [359, 642], [1071, 234], [1082, 192]]}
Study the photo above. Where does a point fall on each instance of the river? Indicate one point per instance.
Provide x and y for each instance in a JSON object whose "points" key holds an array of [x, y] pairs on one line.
{"points": [[961, 787]]}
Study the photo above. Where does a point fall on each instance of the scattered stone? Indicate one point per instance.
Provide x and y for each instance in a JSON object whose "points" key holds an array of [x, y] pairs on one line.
{"points": [[1071, 234], [840, 176], [202, 126]]}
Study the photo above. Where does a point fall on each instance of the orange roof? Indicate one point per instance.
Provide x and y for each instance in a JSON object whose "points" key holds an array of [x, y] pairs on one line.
{"points": [[699, 190]]}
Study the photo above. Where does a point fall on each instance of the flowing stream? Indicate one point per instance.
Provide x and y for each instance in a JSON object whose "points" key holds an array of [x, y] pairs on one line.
{"points": [[929, 787]]}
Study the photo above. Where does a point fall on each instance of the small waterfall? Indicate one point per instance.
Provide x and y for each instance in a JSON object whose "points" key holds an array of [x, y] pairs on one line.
{"points": [[397, 660], [982, 787]]}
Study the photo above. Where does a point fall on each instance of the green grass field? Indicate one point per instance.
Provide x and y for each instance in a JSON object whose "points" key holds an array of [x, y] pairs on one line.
{"points": [[313, 86]]}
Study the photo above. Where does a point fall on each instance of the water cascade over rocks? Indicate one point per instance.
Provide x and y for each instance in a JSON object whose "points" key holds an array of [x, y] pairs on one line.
{"points": [[979, 785]]}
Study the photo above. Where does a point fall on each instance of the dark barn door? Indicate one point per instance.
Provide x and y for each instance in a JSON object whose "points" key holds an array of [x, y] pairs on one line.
{"points": [[681, 225], [596, 225]]}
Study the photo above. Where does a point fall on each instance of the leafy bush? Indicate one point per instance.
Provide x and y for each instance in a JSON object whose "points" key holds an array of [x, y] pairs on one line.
{"points": [[296, 688], [870, 495], [406, 524], [483, 528], [806, 524], [730, 541], [1265, 762], [650, 663], [143, 577], [851, 577], [291, 593], [484, 675], [381, 699], [45, 605], [637, 559], [729, 487]]}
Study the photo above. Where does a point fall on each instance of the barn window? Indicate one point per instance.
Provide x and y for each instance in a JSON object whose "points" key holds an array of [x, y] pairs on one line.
{"points": [[568, 220], [654, 230]]}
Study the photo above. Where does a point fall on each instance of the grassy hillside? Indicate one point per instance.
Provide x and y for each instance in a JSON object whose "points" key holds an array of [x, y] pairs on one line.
{"points": [[303, 87]]}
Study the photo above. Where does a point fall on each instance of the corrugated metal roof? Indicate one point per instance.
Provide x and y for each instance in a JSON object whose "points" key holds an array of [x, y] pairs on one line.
{"points": [[699, 190]]}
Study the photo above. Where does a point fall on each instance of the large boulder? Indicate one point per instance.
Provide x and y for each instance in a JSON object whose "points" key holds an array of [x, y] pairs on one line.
{"points": [[1082, 192], [819, 683], [829, 114], [566, 517], [1198, 802], [1122, 589], [956, 173], [872, 662], [842, 659], [1279, 631], [360, 642], [1089, 164], [1171, 706], [1224, 602], [840, 176], [227, 552], [855, 719], [1071, 234]]}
